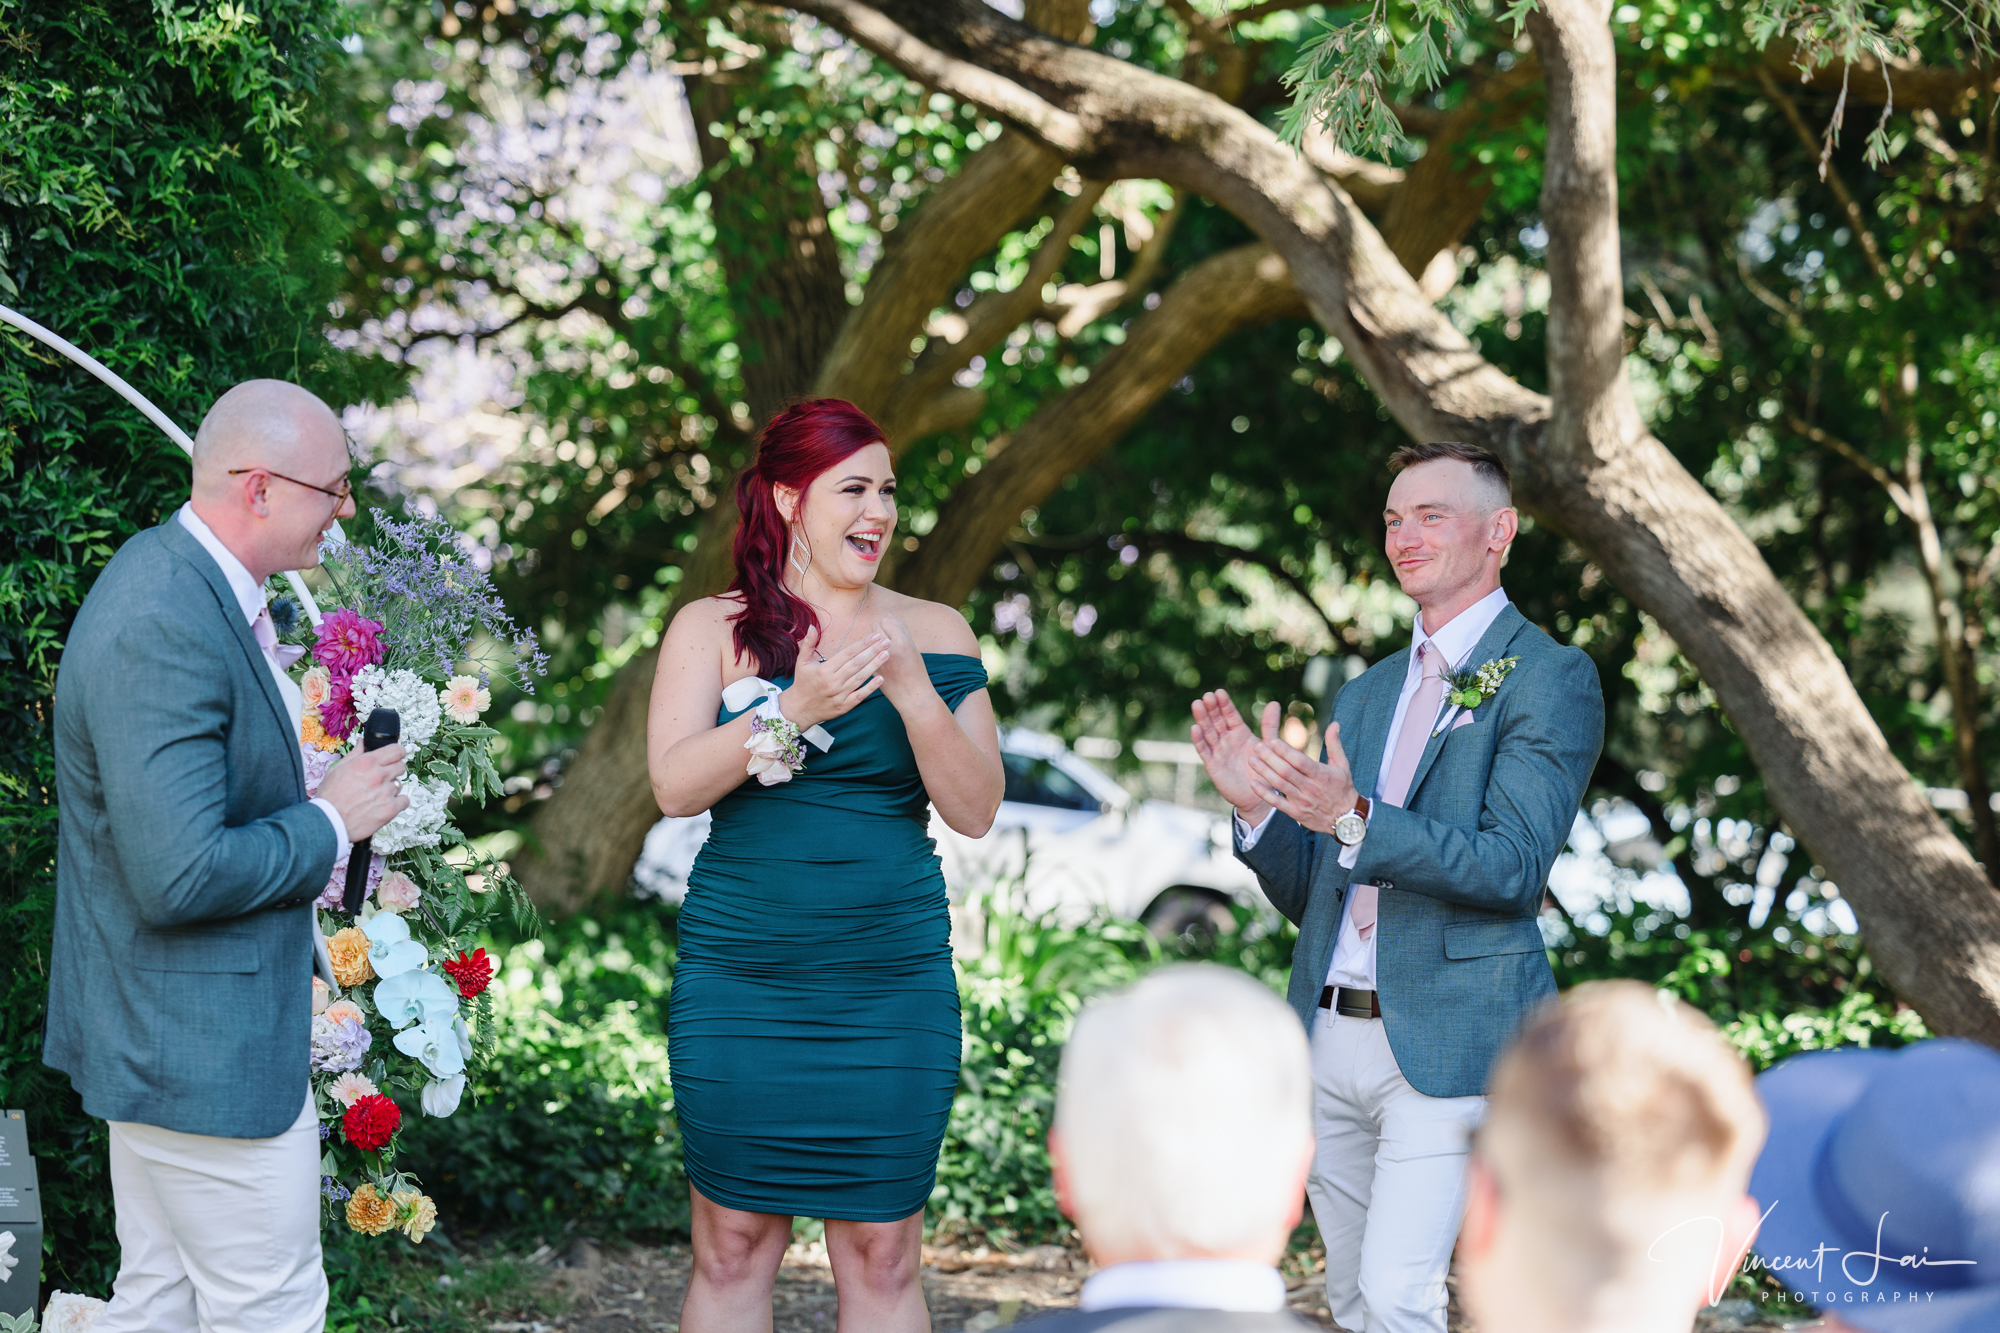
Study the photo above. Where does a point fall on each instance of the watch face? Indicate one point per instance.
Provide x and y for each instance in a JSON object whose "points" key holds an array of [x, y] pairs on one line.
{"points": [[1349, 828]]}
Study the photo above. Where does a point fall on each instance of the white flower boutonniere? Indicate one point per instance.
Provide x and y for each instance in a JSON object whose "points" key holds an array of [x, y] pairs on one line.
{"points": [[1469, 688]]}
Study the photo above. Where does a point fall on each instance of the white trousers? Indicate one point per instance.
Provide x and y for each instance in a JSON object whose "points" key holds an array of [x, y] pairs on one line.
{"points": [[216, 1235], [1388, 1180]]}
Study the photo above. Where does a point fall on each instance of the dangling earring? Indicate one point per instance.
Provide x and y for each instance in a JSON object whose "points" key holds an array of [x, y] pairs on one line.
{"points": [[792, 556]]}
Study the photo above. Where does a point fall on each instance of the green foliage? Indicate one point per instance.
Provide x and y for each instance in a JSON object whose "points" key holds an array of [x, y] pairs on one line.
{"points": [[152, 210], [570, 1123], [432, 1286]]}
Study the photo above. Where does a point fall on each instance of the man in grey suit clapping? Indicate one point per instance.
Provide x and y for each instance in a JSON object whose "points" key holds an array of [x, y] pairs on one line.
{"points": [[1413, 862], [187, 862]]}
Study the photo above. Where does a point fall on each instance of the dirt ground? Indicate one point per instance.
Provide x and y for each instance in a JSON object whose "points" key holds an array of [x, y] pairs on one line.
{"points": [[620, 1290]]}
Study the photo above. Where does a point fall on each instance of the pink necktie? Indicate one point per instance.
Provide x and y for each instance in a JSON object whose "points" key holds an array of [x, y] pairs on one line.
{"points": [[1417, 720], [266, 634]]}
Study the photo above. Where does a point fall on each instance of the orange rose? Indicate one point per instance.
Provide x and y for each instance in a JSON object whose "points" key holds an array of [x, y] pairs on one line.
{"points": [[368, 1212], [349, 948]]}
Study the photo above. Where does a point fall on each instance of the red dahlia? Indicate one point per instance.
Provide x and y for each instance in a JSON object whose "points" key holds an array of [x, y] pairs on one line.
{"points": [[472, 971], [371, 1121]]}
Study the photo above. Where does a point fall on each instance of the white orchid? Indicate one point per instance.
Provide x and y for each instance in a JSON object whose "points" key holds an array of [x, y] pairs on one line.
{"points": [[391, 951], [436, 1044], [415, 997], [441, 1096]]}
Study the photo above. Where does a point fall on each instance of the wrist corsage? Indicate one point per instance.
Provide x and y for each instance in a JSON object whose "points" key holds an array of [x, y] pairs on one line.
{"points": [[775, 748]]}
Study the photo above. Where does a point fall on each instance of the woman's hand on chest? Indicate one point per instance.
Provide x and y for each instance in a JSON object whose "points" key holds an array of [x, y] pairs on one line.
{"points": [[906, 681]]}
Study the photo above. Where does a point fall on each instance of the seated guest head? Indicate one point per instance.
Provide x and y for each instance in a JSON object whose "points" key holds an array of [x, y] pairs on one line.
{"points": [[1608, 1181], [1881, 1185], [1182, 1137]]}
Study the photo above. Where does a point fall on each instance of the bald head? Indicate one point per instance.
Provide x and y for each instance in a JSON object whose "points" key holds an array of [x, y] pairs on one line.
{"points": [[265, 423], [269, 460]]}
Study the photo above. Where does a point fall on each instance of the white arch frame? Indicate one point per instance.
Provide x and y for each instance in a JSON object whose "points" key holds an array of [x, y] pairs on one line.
{"points": [[159, 418]]}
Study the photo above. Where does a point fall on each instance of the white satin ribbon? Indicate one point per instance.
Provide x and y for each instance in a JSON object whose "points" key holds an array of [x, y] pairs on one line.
{"points": [[755, 690]]}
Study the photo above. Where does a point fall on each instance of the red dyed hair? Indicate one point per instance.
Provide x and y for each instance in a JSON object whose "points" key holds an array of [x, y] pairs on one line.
{"points": [[800, 443]]}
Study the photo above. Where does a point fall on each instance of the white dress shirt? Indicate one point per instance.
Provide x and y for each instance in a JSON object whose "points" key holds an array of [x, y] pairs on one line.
{"points": [[1353, 962], [1185, 1284], [250, 600]]}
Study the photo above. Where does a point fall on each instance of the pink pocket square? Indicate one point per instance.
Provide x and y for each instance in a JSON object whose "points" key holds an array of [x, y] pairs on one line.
{"points": [[1464, 719]]}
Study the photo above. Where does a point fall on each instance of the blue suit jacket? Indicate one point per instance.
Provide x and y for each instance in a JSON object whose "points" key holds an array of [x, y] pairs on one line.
{"points": [[180, 978], [1461, 868]]}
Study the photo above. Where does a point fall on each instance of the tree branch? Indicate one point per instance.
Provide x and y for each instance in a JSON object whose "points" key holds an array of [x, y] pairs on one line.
{"points": [[986, 321], [1832, 178], [1224, 293]]}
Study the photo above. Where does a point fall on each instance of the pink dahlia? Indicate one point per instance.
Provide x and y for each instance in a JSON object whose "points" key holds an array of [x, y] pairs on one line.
{"points": [[336, 715], [347, 642]]}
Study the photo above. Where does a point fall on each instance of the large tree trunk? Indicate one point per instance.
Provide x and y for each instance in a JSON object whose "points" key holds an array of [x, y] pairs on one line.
{"points": [[1585, 462]]}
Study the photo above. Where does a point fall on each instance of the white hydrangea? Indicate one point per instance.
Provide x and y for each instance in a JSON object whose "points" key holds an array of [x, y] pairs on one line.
{"points": [[421, 823], [414, 699]]}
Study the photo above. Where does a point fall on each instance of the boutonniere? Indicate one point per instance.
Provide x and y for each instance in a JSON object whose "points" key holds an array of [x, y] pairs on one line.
{"points": [[1468, 688]]}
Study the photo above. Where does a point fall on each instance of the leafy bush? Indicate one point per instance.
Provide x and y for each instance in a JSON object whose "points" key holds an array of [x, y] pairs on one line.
{"points": [[1772, 992], [571, 1124], [158, 213]]}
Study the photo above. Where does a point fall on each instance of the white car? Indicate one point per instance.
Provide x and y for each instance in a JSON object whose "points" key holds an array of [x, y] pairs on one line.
{"points": [[1068, 841]]}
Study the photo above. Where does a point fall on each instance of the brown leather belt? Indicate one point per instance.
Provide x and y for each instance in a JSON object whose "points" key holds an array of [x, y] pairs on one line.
{"points": [[1349, 1003]]}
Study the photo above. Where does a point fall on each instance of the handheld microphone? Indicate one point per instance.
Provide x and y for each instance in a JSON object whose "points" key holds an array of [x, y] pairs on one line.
{"points": [[384, 727]]}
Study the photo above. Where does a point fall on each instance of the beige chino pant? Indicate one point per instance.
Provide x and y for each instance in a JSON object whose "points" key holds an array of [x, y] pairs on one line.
{"points": [[216, 1235], [1388, 1180]]}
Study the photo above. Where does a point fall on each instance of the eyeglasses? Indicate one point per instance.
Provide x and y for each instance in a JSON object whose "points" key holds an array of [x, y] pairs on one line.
{"points": [[346, 487]]}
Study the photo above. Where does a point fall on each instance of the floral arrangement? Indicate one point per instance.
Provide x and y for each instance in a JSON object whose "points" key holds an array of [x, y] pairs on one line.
{"points": [[418, 628]]}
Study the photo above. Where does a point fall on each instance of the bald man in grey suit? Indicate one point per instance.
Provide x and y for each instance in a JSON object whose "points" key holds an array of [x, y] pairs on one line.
{"points": [[187, 863]]}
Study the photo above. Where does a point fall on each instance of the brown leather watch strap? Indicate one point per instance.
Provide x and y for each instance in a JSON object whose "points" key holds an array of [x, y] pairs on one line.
{"points": [[1361, 805]]}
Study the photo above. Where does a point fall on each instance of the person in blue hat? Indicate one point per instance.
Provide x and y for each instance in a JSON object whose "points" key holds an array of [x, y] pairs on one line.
{"points": [[1880, 1185]]}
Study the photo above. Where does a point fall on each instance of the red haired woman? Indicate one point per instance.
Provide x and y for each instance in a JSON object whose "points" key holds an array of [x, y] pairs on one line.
{"points": [[814, 1026]]}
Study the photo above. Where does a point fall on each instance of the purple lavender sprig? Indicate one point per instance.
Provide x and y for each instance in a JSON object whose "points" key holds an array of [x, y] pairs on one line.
{"points": [[418, 578]]}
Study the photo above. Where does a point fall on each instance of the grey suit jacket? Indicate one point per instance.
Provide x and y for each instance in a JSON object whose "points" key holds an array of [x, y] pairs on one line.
{"points": [[187, 860], [1461, 868]]}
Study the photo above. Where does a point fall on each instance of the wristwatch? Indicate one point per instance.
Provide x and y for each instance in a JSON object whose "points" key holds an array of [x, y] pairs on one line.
{"points": [[1351, 827]]}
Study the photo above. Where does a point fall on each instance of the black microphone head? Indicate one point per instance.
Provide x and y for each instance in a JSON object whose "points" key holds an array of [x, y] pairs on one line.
{"points": [[383, 726]]}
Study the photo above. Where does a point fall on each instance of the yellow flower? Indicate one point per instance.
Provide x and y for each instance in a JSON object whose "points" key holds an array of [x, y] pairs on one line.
{"points": [[321, 996], [349, 948], [313, 734], [368, 1212], [415, 1213]]}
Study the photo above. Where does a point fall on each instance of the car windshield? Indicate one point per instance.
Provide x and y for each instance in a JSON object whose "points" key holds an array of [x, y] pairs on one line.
{"points": [[1032, 781]]}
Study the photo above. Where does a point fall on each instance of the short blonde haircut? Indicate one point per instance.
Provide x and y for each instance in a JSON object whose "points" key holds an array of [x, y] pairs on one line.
{"points": [[1185, 1110], [1619, 1113]]}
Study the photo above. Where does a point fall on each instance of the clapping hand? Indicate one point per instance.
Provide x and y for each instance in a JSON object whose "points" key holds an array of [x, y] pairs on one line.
{"points": [[1313, 794], [1224, 743], [826, 687]]}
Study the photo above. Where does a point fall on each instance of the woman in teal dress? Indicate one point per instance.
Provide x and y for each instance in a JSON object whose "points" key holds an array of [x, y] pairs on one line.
{"points": [[814, 1032]]}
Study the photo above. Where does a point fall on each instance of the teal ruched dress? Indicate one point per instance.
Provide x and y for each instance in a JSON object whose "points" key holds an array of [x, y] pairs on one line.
{"points": [[813, 1031]]}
